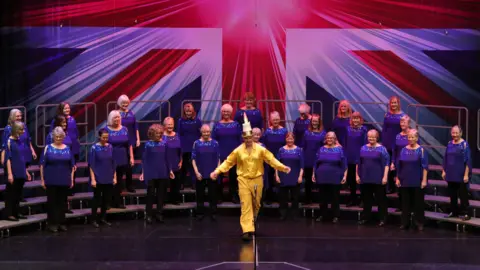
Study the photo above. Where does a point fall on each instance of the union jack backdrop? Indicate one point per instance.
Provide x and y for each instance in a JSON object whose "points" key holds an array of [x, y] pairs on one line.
{"points": [[424, 51]]}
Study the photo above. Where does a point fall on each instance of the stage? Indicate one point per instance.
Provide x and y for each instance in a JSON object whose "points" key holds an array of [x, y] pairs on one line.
{"points": [[183, 243]]}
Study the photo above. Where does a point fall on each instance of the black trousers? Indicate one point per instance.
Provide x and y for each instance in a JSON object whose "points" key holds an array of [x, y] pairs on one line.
{"points": [[413, 200], [391, 187], [175, 185], [308, 173], [368, 193], [456, 190], [13, 196], [232, 184], [283, 195], [156, 191], [329, 193], [121, 171], [186, 180], [212, 195], [72, 190], [102, 194], [56, 204], [352, 182], [270, 193]]}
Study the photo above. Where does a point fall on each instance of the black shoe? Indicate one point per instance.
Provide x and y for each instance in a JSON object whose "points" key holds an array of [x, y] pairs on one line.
{"points": [[106, 223], [159, 218], [335, 220], [12, 218], [319, 219], [95, 224], [20, 216], [213, 218], [466, 217], [403, 227], [246, 237], [69, 211], [149, 220], [62, 228], [53, 228], [381, 224], [268, 202], [362, 222]]}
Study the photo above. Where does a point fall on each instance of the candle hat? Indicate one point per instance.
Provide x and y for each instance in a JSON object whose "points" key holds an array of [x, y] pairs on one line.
{"points": [[247, 128]]}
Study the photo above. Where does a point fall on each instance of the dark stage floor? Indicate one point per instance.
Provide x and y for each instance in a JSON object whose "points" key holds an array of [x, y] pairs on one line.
{"points": [[183, 243]]}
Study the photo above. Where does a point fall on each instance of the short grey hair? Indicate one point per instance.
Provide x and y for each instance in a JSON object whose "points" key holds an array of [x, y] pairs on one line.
{"points": [[112, 115], [12, 117], [304, 108], [121, 99], [375, 132], [274, 114], [226, 107], [257, 131], [414, 131], [168, 119], [58, 131], [205, 127], [406, 118], [16, 127]]}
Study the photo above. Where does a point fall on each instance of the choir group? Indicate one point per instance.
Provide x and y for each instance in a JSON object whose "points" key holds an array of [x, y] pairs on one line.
{"points": [[175, 157]]}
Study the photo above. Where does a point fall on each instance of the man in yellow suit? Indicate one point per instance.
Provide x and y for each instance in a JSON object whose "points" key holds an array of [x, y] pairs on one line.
{"points": [[249, 158]]}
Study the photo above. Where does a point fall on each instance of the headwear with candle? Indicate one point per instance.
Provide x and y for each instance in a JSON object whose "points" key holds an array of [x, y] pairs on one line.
{"points": [[247, 128]]}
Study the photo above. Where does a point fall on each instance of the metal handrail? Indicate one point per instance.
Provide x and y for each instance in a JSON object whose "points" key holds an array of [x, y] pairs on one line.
{"points": [[459, 108], [46, 125], [160, 101], [312, 109], [9, 108], [336, 103]]}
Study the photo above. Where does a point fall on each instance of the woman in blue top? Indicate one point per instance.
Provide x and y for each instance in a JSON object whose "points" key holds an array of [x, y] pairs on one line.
{"points": [[102, 177], [254, 115], [313, 139], [129, 121], [175, 158], [189, 131], [122, 153], [228, 134], [372, 172], [63, 109], [457, 170], [292, 156], [205, 159], [16, 172], [27, 149], [330, 172], [56, 172], [356, 137], [342, 121], [156, 172], [301, 124], [412, 169], [274, 139]]}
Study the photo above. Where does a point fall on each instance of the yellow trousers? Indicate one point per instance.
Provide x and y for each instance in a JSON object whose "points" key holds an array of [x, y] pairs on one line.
{"points": [[250, 204]]}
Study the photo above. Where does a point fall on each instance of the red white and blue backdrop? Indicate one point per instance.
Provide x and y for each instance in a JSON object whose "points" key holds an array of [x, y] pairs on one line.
{"points": [[424, 51]]}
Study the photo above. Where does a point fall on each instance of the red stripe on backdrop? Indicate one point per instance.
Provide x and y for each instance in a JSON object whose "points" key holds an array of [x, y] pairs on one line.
{"points": [[410, 80], [137, 78]]}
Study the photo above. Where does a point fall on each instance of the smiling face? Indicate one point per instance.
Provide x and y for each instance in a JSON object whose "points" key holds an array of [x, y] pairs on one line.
{"points": [[275, 121], [66, 110], [248, 140], [188, 109], [404, 124], [315, 123], [64, 124], [343, 108], [372, 137], [116, 120], [356, 121], [226, 114], [18, 116], [412, 139], [256, 136], [290, 140], [330, 139], [124, 105], [104, 138], [58, 139], [169, 125], [456, 133], [249, 103], [394, 105], [206, 133]]}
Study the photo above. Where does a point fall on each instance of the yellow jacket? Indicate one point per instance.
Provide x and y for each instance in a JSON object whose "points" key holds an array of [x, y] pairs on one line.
{"points": [[250, 166]]}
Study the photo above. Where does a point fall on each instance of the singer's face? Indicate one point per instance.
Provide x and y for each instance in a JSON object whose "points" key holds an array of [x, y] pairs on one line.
{"points": [[248, 140]]}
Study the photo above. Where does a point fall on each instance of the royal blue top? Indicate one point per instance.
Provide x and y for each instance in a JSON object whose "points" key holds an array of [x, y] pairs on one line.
{"points": [[207, 156], [102, 163], [400, 142], [189, 132], [356, 138], [24, 138], [312, 141], [254, 117], [299, 128], [155, 161], [67, 140], [174, 151], [13, 152], [120, 143], [57, 166], [372, 162], [292, 158], [330, 165], [410, 165], [274, 139], [72, 131], [339, 126], [457, 158], [130, 122], [228, 136], [391, 127]]}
